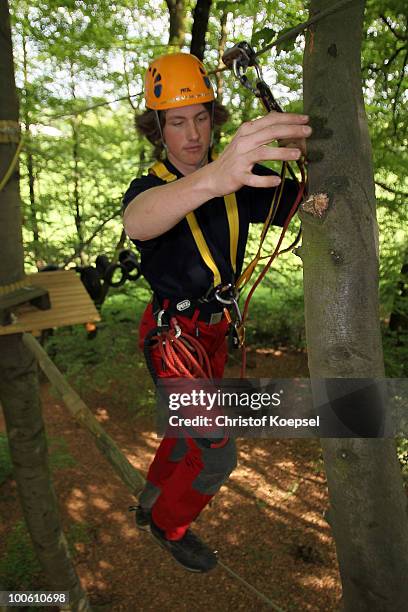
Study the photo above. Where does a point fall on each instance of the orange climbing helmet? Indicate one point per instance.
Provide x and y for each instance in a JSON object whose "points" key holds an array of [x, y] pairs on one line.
{"points": [[175, 80]]}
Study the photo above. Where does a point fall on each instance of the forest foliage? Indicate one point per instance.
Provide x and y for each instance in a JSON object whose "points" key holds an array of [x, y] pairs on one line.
{"points": [[79, 69]]}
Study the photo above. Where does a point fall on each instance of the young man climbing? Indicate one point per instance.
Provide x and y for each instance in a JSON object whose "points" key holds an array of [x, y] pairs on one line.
{"points": [[189, 218]]}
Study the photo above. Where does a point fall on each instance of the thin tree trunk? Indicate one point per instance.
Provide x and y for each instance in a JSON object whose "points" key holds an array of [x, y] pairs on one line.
{"points": [[76, 177], [77, 199], [12, 257], [177, 24], [340, 256], [219, 76], [122, 239], [19, 395], [29, 155], [201, 15]]}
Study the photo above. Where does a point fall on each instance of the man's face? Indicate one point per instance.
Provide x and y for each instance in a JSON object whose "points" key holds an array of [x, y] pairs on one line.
{"points": [[187, 134]]}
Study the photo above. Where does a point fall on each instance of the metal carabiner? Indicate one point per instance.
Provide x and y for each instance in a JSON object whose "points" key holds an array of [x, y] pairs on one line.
{"points": [[237, 312], [160, 319], [230, 301], [221, 289], [176, 327]]}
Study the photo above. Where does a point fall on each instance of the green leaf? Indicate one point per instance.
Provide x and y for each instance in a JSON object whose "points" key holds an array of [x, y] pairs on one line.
{"points": [[286, 45], [262, 37], [227, 7]]}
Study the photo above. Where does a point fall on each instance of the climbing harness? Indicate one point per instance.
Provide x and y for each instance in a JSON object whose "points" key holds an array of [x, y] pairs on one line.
{"points": [[160, 170], [183, 354]]}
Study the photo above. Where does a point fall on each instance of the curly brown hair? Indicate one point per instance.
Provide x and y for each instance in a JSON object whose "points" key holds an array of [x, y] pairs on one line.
{"points": [[146, 124]]}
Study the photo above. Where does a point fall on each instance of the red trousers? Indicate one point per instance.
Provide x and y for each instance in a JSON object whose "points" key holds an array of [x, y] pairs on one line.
{"points": [[184, 474]]}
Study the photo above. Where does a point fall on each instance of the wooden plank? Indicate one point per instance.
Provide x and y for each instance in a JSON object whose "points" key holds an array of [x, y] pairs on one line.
{"points": [[32, 295], [70, 304]]}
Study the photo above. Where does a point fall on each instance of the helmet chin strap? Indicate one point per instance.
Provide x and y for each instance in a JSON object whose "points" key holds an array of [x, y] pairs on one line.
{"points": [[160, 130], [212, 123]]}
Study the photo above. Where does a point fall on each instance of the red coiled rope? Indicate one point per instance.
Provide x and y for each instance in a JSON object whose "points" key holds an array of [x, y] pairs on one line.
{"points": [[183, 354]]}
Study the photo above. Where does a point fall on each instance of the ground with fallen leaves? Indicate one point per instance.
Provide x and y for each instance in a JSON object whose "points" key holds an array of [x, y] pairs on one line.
{"points": [[267, 522]]}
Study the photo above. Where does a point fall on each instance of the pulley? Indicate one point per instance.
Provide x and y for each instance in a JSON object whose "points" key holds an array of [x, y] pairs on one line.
{"points": [[239, 58]]}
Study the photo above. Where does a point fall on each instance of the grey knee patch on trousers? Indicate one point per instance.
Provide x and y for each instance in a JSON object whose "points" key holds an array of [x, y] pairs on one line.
{"points": [[218, 465], [149, 495], [179, 450]]}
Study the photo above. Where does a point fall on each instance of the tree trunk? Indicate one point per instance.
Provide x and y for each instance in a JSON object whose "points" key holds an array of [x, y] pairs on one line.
{"points": [[201, 15], [11, 260], [219, 76], [76, 176], [177, 25], [340, 256], [18, 379]]}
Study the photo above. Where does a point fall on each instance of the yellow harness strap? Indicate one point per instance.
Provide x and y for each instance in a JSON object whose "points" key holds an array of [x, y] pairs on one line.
{"points": [[203, 247], [160, 170]]}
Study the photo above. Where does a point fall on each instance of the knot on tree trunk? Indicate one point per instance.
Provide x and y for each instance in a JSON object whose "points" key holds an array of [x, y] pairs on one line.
{"points": [[316, 204]]}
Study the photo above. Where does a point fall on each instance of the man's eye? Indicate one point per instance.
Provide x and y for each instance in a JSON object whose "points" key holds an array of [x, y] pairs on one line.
{"points": [[177, 123], [203, 118]]}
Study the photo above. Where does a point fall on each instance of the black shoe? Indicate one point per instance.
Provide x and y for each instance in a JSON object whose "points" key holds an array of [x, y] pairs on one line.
{"points": [[190, 551], [142, 517]]}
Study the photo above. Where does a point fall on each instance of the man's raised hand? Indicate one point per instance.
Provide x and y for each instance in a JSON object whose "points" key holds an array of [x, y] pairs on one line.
{"points": [[251, 145]]}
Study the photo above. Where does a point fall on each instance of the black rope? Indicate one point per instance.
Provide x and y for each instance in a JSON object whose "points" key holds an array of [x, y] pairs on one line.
{"points": [[294, 31], [88, 108]]}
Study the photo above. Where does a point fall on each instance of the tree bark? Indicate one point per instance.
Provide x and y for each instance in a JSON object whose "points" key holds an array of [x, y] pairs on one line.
{"points": [[177, 24], [222, 41], [77, 202], [76, 177], [340, 256], [18, 375], [201, 15], [11, 260]]}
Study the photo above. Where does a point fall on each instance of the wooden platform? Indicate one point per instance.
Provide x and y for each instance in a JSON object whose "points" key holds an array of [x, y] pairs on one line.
{"points": [[70, 304]]}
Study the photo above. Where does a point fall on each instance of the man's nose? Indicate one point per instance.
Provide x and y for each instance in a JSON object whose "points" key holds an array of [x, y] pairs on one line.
{"points": [[192, 131]]}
